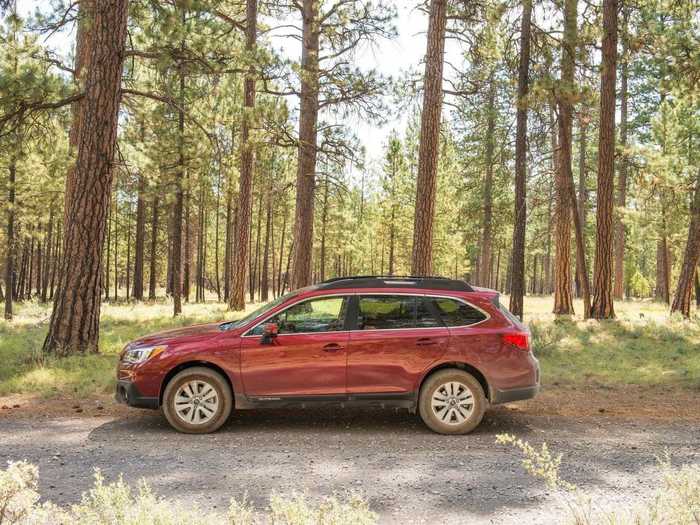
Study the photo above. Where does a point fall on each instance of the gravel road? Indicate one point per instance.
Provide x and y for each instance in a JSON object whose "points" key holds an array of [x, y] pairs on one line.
{"points": [[409, 474]]}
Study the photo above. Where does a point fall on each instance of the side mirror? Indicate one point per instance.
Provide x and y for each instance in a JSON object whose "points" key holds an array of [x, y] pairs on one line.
{"points": [[270, 331]]}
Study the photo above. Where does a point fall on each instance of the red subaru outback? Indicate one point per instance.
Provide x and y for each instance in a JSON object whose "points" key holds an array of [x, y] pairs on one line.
{"points": [[433, 345]]}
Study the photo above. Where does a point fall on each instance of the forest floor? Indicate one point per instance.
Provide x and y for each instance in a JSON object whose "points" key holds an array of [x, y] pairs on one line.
{"points": [[615, 396], [407, 473]]}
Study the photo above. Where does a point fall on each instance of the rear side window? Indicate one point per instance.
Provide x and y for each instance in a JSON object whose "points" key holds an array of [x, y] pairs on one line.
{"points": [[457, 313], [392, 312], [386, 312]]}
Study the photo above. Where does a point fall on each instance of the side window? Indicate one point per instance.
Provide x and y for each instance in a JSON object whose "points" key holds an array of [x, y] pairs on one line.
{"points": [[386, 312], [325, 314], [425, 318], [457, 313]]}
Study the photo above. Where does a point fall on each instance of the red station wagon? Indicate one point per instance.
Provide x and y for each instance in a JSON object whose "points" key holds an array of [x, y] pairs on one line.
{"points": [[433, 345]]}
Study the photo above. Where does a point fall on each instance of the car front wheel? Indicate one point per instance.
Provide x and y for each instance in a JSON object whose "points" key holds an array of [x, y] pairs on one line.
{"points": [[452, 402], [197, 401]]}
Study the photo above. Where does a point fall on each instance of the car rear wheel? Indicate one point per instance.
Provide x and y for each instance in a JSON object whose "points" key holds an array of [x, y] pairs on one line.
{"points": [[197, 401], [452, 402]]}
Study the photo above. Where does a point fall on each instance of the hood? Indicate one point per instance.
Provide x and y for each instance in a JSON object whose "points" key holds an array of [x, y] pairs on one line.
{"points": [[188, 334]]}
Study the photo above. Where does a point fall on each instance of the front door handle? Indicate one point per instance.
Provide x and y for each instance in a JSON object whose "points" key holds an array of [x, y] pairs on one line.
{"points": [[426, 341], [332, 347]]}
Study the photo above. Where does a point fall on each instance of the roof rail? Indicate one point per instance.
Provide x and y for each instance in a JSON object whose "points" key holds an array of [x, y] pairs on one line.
{"points": [[396, 281]]}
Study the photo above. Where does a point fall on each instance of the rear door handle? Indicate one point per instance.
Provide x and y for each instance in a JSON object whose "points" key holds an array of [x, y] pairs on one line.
{"points": [[332, 347], [426, 341]]}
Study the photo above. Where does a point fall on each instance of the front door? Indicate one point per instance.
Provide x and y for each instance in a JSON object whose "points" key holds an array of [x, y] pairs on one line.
{"points": [[307, 358], [396, 338]]}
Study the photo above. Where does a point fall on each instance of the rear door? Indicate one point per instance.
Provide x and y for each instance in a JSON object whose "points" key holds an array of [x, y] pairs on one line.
{"points": [[307, 358], [395, 337]]}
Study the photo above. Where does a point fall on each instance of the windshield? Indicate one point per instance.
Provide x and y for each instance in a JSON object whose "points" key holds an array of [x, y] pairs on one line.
{"points": [[257, 312]]}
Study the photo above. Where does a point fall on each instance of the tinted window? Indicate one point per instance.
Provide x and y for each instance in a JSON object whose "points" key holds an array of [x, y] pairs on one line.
{"points": [[425, 318], [386, 312], [457, 313], [326, 314]]}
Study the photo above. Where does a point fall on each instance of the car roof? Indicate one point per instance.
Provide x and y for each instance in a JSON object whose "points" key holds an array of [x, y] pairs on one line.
{"points": [[396, 283]]}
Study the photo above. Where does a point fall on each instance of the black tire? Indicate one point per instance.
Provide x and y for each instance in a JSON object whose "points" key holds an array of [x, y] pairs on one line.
{"points": [[215, 417], [450, 423]]}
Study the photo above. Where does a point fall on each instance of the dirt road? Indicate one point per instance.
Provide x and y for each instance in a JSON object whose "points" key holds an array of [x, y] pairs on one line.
{"points": [[409, 474]]}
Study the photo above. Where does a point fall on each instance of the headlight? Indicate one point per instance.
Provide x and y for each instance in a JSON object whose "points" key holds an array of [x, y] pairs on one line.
{"points": [[139, 355]]}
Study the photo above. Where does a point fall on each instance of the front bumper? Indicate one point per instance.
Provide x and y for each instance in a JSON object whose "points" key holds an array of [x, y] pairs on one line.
{"points": [[514, 394], [127, 393]]}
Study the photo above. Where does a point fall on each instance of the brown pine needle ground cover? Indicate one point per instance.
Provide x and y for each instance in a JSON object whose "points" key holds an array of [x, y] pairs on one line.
{"points": [[644, 364]]}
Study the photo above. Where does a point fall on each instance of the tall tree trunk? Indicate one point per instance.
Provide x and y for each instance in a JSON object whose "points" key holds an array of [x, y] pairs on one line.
{"points": [[241, 254], [621, 200], [49, 258], [429, 148], [324, 225], [128, 253], [110, 221], [229, 235], [487, 218], [308, 136], [86, 39], [280, 288], [179, 195], [115, 234], [217, 217], [140, 243], [563, 303], [74, 325], [255, 273], [187, 243], [265, 273], [603, 268], [582, 189], [153, 258], [518, 258], [684, 290], [10, 237]]}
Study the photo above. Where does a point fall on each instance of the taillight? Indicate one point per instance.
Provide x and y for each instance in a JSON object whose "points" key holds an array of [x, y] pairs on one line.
{"points": [[520, 340]]}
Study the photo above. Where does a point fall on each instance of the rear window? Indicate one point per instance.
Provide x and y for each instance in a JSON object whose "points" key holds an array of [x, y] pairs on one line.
{"points": [[457, 313]]}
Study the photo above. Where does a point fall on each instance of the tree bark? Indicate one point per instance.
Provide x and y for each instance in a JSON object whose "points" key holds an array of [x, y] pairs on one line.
{"points": [[603, 268], [308, 136], [621, 200], [563, 303], [487, 219], [324, 225], [684, 290], [179, 197], [429, 148], [10, 238], [582, 191], [241, 254], [265, 272], [140, 242], [517, 265], [74, 325], [48, 257], [85, 41], [152, 277]]}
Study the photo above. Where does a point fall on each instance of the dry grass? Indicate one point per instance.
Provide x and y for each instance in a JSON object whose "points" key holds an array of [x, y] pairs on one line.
{"points": [[643, 348]]}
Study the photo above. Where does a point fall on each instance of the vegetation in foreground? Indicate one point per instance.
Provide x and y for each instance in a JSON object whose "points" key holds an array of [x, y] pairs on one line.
{"points": [[109, 503], [676, 501], [643, 347]]}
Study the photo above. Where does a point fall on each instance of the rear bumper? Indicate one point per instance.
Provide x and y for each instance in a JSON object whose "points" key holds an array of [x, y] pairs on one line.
{"points": [[514, 394], [127, 393]]}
